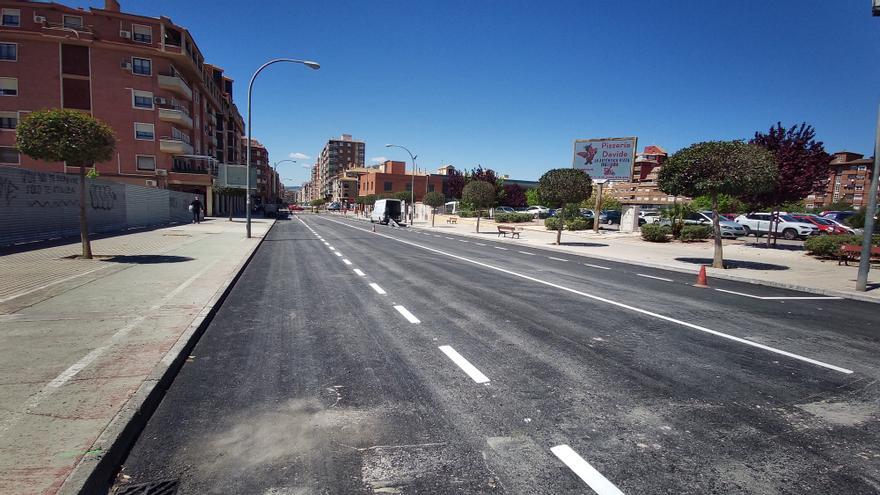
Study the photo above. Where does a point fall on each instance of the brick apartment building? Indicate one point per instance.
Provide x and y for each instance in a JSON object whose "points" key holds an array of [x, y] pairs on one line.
{"points": [[642, 188], [391, 177], [268, 184], [337, 156], [172, 113], [849, 181]]}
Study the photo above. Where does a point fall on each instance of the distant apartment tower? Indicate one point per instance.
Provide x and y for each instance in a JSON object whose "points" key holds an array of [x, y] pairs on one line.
{"points": [[337, 156], [268, 184], [849, 181], [143, 76]]}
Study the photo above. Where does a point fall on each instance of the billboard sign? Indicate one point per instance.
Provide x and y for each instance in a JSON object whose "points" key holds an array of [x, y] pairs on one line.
{"points": [[606, 158]]}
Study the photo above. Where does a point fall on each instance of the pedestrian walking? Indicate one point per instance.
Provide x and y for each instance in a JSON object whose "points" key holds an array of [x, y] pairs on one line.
{"points": [[196, 208]]}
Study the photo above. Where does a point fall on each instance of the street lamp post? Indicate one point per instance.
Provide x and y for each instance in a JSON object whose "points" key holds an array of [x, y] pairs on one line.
{"points": [[412, 188], [870, 211], [307, 63], [278, 179]]}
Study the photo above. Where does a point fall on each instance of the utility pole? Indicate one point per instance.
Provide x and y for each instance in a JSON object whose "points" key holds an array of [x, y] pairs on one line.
{"points": [[870, 211]]}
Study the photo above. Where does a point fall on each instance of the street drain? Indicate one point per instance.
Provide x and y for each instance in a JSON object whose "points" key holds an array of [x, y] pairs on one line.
{"points": [[167, 487]]}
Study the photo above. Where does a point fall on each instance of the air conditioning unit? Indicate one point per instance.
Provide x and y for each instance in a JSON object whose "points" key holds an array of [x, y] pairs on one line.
{"points": [[152, 183], [161, 172], [125, 65], [125, 34], [160, 101], [39, 19]]}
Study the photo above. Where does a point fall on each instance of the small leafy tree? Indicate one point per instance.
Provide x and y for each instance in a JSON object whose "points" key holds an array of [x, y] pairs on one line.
{"points": [[481, 195], [434, 200], [563, 187], [514, 196], [532, 197], [455, 182], [714, 168], [68, 136], [726, 204], [317, 203]]}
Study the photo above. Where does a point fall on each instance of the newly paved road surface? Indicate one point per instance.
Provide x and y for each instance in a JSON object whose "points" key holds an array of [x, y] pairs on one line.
{"points": [[408, 361]]}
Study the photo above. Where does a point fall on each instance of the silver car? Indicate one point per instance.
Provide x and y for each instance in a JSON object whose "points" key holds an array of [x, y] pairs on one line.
{"points": [[728, 228]]}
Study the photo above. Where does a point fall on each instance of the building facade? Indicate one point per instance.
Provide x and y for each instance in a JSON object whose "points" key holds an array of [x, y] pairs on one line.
{"points": [[391, 177], [849, 181], [268, 185], [337, 156], [144, 76], [642, 188]]}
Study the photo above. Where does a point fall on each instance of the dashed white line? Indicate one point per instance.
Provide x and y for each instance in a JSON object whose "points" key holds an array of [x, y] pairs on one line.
{"points": [[450, 238], [526, 252], [406, 314], [337, 253], [376, 288], [462, 240], [331, 248], [655, 278], [585, 471], [435, 235], [479, 244], [346, 261], [471, 370], [499, 247], [772, 298], [359, 272], [557, 259], [597, 266]]}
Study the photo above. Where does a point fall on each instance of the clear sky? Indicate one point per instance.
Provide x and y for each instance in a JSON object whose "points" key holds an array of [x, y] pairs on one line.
{"points": [[510, 84]]}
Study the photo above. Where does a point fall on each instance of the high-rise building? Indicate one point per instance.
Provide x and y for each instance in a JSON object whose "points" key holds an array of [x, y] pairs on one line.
{"points": [[143, 76], [337, 156]]}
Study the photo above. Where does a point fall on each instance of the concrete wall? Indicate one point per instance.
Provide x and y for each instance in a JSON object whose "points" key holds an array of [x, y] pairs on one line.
{"points": [[37, 206]]}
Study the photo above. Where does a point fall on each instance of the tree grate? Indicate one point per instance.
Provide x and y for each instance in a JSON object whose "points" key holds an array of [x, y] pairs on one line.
{"points": [[166, 487]]}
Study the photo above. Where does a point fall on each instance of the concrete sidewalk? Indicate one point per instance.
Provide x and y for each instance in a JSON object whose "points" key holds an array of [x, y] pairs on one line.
{"points": [[84, 343]]}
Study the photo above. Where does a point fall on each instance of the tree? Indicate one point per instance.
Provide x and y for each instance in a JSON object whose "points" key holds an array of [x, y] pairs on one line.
{"points": [[726, 204], [455, 182], [802, 166], [317, 203], [481, 195], [514, 196], [562, 187], [532, 197], [718, 167], [434, 200], [68, 136]]}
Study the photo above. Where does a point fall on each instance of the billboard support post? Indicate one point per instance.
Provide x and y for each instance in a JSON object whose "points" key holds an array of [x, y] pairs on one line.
{"points": [[598, 206]]}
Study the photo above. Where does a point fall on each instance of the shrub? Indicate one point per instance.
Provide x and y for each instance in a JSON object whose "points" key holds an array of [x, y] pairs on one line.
{"points": [[513, 217], [579, 223], [829, 245], [695, 233], [655, 233], [551, 223], [472, 214]]}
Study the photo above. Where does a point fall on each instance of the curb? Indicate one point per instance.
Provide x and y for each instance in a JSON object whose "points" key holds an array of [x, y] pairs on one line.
{"points": [[93, 473]]}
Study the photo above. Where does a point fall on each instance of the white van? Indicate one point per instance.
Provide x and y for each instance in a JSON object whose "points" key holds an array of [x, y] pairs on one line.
{"points": [[452, 208], [385, 210]]}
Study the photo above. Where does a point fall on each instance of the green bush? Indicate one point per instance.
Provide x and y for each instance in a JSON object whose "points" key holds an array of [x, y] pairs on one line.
{"points": [[473, 214], [655, 233], [695, 233], [579, 223], [829, 245], [513, 217], [551, 223]]}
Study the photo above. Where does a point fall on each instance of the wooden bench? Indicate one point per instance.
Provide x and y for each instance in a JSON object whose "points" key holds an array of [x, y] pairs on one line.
{"points": [[503, 230], [452, 220], [851, 252]]}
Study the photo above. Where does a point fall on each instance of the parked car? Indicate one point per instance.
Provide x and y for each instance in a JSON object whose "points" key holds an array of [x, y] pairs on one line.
{"points": [[609, 217], [790, 228], [846, 228], [334, 206], [537, 210], [826, 226], [650, 217], [296, 208], [728, 228], [838, 216], [385, 210], [504, 209]]}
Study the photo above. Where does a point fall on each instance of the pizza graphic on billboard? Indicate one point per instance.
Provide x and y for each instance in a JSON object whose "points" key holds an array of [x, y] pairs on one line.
{"points": [[606, 158]]}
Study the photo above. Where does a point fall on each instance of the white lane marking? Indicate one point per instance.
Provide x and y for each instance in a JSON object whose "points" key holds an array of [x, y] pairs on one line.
{"points": [[499, 247], [526, 252], [359, 272], [331, 248], [479, 244], [585, 471], [406, 314], [450, 238], [624, 306], [655, 278], [376, 288], [597, 266], [770, 298], [557, 259], [462, 240], [471, 370], [337, 253], [435, 235], [326, 243], [346, 261]]}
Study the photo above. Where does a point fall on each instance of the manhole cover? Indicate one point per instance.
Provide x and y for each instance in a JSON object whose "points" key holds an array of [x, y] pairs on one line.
{"points": [[167, 487]]}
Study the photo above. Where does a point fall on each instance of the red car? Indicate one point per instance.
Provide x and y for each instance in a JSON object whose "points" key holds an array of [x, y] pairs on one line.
{"points": [[826, 227], [295, 208]]}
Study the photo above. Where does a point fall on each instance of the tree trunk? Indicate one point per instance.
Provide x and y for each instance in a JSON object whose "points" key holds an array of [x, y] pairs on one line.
{"points": [[83, 220], [718, 261], [478, 220], [559, 226], [432, 217]]}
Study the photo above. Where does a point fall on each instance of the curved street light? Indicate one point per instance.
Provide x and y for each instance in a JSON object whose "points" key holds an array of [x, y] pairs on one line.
{"points": [[307, 63], [412, 188], [275, 168]]}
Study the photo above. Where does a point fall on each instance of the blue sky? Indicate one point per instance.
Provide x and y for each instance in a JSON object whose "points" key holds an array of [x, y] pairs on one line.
{"points": [[510, 84]]}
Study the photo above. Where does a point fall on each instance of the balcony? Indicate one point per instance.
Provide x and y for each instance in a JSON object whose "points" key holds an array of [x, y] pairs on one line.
{"points": [[174, 146], [175, 114], [174, 83]]}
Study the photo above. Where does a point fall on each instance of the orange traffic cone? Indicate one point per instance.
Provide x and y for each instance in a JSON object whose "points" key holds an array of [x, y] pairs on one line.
{"points": [[701, 279]]}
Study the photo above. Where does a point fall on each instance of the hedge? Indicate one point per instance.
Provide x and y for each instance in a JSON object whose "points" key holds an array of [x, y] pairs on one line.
{"points": [[513, 217], [579, 224], [473, 214], [829, 245], [695, 233], [655, 233], [551, 223]]}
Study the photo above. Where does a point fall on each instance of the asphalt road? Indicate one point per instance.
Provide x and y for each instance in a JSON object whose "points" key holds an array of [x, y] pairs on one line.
{"points": [[419, 362]]}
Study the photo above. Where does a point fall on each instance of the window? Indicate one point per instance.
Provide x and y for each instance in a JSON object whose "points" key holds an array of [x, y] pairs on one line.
{"points": [[9, 155], [8, 86], [11, 18], [408, 186], [387, 186], [9, 51], [860, 188], [430, 187], [8, 120], [73, 21], [145, 162], [144, 132], [142, 34], [142, 99], [76, 93], [142, 66]]}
